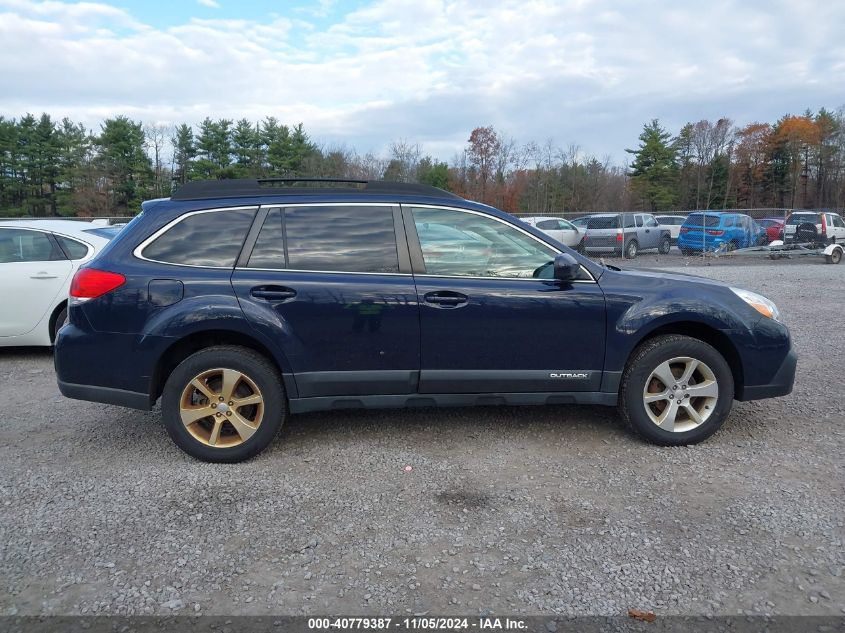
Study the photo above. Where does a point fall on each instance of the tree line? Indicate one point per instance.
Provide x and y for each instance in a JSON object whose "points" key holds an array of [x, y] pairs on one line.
{"points": [[61, 168]]}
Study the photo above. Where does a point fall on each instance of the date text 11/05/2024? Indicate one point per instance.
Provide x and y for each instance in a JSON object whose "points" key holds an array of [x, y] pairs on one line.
{"points": [[417, 623]]}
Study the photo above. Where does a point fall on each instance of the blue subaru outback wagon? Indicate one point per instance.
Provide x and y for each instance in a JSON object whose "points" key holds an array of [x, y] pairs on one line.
{"points": [[238, 303]]}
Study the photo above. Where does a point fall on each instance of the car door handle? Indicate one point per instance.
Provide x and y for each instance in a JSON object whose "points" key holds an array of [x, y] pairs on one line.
{"points": [[273, 293], [43, 275], [446, 299]]}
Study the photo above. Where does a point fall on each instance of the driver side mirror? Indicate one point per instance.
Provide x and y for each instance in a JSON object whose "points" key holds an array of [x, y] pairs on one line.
{"points": [[566, 267]]}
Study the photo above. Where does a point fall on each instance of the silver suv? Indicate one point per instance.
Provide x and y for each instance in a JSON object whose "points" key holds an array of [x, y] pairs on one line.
{"points": [[625, 234]]}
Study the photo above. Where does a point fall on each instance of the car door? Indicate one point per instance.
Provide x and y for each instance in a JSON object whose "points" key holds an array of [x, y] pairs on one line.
{"points": [[836, 227], [333, 285], [652, 231], [553, 228], [33, 271], [491, 317]]}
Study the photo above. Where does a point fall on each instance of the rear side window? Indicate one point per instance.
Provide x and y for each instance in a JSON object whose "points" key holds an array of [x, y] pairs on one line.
{"points": [[211, 239], [328, 238], [548, 225], [72, 248]]}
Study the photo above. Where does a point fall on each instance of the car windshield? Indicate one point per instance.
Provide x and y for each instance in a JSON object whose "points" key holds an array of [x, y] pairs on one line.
{"points": [[802, 218], [107, 232], [699, 219], [603, 222]]}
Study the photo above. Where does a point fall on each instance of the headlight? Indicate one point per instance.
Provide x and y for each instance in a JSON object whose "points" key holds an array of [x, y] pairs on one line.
{"points": [[764, 306]]}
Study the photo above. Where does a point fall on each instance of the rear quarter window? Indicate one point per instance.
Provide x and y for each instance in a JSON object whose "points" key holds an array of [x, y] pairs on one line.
{"points": [[208, 238]]}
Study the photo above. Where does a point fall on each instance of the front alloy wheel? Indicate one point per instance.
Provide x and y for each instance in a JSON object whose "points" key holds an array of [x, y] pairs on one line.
{"points": [[680, 394], [676, 390]]}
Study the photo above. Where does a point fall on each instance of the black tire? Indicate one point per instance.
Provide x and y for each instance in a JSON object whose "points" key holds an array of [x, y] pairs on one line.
{"points": [[249, 363], [61, 319], [631, 250], [687, 252], [644, 360], [665, 246]]}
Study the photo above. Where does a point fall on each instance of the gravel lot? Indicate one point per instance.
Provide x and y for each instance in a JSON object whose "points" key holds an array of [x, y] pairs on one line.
{"points": [[523, 511]]}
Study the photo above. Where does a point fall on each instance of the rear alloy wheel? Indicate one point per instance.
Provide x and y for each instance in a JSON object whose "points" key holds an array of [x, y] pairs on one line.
{"points": [[631, 250], [665, 246], [224, 404], [676, 390]]}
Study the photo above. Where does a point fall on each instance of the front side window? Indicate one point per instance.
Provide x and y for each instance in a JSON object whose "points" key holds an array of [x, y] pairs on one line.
{"points": [[17, 245], [650, 221], [456, 243], [210, 239], [356, 239]]}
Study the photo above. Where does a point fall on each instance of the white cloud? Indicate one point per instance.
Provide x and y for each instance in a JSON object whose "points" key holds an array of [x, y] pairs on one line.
{"points": [[579, 71], [212, 4]]}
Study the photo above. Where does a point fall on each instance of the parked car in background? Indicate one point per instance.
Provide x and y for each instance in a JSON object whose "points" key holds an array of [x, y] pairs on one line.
{"points": [[239, 302], [773, 227], [625, 234], [714, 230], [671, 222], [562, 230], [38, 259], [581, 222], [816, 227]]}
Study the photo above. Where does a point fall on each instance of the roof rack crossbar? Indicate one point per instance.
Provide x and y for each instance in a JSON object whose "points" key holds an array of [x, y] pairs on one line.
{"points": [[251, 187]]}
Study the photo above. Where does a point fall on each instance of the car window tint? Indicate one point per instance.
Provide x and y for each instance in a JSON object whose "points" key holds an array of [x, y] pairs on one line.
{"points": [[699, 219], [639, 220], [603, 222], [628, 221], [456, 243], [341, 239], [204, 239], [801, 218], [18, 245], [269, 249], [548, 224], [72, 248]]}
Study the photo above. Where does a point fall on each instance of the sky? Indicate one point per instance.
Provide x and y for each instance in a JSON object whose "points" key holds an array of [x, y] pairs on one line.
{"points": [[363, 73]]}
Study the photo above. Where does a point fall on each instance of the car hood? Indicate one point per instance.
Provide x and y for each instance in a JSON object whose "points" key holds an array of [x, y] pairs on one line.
{"points": [[663, 275]]}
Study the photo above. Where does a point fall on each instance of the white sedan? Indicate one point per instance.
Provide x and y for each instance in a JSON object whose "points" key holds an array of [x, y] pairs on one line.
{"points": [[562, 230], [38, 259]]}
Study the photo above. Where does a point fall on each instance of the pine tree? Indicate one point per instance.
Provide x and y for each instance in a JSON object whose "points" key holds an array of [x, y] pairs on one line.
{"points": [[654, 172]]}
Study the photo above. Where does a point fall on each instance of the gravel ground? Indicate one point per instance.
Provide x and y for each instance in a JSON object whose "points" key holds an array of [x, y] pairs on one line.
{"points": [[505, 510]]}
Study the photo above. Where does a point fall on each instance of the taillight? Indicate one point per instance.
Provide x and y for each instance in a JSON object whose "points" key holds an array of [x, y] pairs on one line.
{"points": [[89, 283], [714, 232], [620, 237], [684, 229]]}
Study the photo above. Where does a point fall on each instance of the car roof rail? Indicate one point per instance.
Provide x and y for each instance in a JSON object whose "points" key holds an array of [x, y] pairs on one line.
{"points": [[248, 187]]}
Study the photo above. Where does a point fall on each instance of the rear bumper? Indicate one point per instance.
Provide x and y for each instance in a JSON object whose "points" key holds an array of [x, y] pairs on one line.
{"points": [[106, 395], [780, 385]]}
